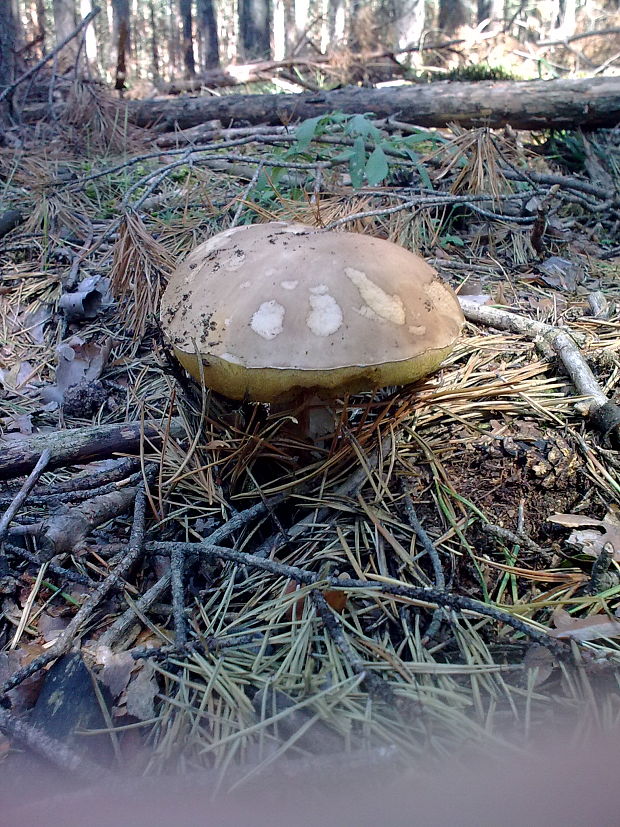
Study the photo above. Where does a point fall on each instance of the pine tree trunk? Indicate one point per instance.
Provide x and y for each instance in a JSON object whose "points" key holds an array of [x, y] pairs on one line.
{"points": [[185, 8], [207, 26], [453, 14], [122, 41], [8, 30], [154, 41], [64, 24], [255, 25]]}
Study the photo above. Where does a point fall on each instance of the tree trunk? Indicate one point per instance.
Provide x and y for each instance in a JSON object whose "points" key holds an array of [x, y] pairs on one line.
{"points": [[64, 24], [41, 29], [64, 18], [453, 14], [90, 37], [185, 8], [210, 43], [566, 19], [122, 40], [154, 41], [8, 29], [538, 104], [336, 17], [490, 10], [411, 23], [255, 26]]}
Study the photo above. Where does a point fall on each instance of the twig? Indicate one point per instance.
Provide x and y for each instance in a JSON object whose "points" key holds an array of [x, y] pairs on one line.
{"points": [[429, 548], [122, 624], [507, 536], [581, 36], [564, 345], [67, 636], [427, 543], [177, 587], [64, 574], [307, 577], [333, 625], [26, 488]]}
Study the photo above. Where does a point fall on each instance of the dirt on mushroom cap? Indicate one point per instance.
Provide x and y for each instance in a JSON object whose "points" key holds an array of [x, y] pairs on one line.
{"points": [[273, 307]]}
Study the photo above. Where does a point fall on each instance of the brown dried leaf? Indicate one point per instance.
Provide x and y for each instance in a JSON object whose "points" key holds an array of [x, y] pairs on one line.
{"points": [[117, 669], [584, 628], [597, 533], [140, 694]]}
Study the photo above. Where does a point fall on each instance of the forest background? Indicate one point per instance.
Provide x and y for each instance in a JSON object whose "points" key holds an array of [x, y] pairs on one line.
{"points": [[139, 45]]}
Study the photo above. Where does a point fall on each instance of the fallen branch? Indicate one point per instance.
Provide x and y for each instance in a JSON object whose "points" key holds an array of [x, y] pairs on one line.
{"points": [[604, 415], [65, 640], [81, 445], [417, 594]]}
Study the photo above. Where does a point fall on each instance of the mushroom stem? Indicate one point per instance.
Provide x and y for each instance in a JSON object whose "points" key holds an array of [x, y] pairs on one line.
{"points": [[315, 417]]}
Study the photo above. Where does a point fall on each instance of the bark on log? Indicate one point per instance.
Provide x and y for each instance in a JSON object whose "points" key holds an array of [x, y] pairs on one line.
{"points": [[78, 445], [562, 104]]}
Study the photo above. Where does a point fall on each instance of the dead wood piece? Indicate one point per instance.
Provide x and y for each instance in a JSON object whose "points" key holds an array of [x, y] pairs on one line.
{"points": [[67, 636], [22, 495], [523, 104], [63, 533], [603, 414], [81, 445], [413, 594]]}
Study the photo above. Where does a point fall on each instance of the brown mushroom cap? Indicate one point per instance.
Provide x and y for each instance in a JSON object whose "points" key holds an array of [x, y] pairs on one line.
{"points": [[276, 308]]}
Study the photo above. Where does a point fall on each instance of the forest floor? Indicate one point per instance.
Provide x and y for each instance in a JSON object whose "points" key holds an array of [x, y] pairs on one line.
{"points": [[401, 589]]}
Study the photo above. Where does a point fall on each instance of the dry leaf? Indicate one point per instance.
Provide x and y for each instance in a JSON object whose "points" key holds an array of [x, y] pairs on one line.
{"points": [[596, 534], [117, 669], [140, 694], [584, 628]]}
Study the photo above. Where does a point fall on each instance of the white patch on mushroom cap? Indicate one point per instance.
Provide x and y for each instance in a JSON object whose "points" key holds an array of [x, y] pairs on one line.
{"points": [[268, 320], [319, 289], [326, 315], [390, 308], [289, 285], [368, 313]]}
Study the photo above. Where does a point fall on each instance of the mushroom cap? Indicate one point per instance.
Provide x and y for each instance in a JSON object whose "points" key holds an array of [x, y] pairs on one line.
{"points": [[274, 309]]}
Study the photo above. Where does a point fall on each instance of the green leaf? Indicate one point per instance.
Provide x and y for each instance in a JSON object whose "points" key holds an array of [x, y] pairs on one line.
{"points": [[377, 167], [360, 125], [422, 171], [357, 162], [306, 131]]}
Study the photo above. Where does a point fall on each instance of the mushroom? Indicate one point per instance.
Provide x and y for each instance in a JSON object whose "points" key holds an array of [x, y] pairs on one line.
{"points": [[278, 312]]}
